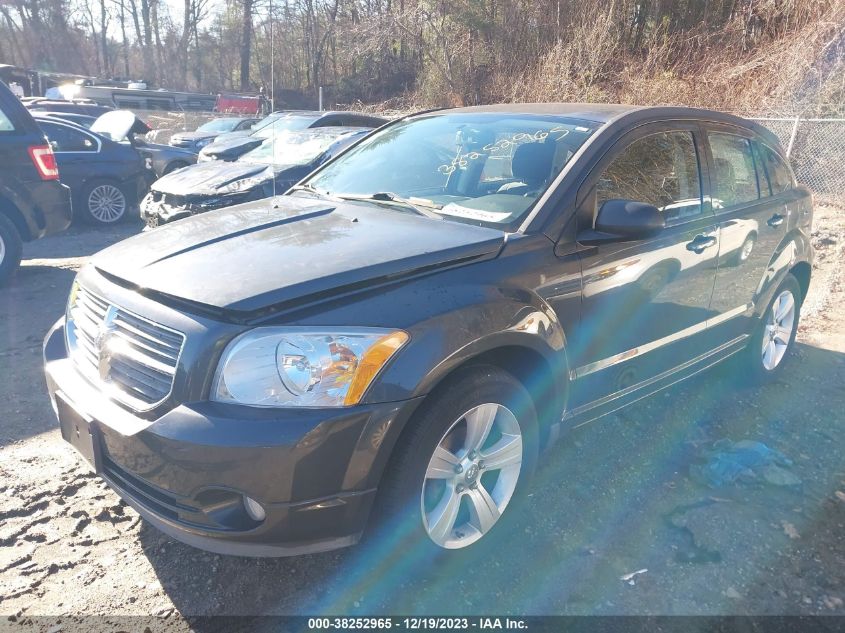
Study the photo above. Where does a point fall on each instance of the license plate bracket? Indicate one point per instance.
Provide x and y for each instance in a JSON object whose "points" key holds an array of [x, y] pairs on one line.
{"points": [[79, 431]]}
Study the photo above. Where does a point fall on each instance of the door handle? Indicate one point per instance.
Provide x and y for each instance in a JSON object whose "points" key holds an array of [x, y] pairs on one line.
{"points": [[700, 243], [776, 220]]}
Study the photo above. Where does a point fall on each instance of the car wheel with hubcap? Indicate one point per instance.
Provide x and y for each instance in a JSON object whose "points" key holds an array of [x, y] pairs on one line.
{"points": [[775, 334], [11, 247], [103, 202], [462, 462]]}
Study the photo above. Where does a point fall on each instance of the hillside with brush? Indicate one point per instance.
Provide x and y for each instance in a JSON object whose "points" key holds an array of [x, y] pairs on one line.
{"points": [[741, 55]]}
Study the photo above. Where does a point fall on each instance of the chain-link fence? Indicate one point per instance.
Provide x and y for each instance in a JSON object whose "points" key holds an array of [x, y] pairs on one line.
{"points": [[816, 149]]}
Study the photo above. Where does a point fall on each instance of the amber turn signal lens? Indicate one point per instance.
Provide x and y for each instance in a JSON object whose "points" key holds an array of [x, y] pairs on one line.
{"points": [[374, 359]]}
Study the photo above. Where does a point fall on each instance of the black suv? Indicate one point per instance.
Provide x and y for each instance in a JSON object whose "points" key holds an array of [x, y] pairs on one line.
{"points": [[33, 203], [404, 332]]}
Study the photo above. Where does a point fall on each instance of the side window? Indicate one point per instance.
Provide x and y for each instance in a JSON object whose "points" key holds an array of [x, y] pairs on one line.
{"points": [[734, 178], [5, 123], [660, 169], [780, 175], [64, 139]]}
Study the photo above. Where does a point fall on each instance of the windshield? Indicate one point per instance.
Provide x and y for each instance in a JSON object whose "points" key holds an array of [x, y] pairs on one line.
{"points": [[486, 168], [286, 124], [268, 120], [292, 149], [218, 125]]}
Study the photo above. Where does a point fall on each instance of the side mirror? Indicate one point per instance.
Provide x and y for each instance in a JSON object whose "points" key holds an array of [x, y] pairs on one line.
{"points": [[623, 220]]}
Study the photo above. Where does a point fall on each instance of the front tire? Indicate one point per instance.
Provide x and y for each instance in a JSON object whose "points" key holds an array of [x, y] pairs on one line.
{"points": [[454, 479], [11, 248], [103, 202], [774, 336]]}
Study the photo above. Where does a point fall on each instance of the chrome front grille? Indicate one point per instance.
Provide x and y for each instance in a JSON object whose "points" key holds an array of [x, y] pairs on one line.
{"points": [[133, 359]]}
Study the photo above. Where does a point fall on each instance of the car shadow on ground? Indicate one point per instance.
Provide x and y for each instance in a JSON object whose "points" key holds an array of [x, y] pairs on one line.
{"points": [[613, 498]]}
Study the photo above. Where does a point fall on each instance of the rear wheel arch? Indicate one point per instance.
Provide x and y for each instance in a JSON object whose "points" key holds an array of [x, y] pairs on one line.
{"points": [[173, 166], [802, 271], [10, 210]]}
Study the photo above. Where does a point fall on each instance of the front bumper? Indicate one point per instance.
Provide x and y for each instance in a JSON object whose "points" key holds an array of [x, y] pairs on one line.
{"points": [[314, 471]]}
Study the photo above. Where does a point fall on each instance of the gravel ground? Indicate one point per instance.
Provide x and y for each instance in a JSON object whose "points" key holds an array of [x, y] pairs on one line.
{"points": [[614, 498]]}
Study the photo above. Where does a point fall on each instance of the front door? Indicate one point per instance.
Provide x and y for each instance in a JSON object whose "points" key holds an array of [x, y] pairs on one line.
{"points": [[645, 303]]}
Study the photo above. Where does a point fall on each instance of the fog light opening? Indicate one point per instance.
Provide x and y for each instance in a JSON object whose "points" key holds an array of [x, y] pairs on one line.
{"points": [[254, 509]]}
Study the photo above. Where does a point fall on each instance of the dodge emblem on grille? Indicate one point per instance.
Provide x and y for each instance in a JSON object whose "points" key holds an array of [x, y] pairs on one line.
{"points": [[103, 343]]}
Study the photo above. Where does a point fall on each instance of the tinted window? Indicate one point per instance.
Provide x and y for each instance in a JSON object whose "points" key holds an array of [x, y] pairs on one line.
{"points": [[5, 123], [65, 139], [780, 176], [659, 169], [219, 125], [734, 179], [285, 124]]}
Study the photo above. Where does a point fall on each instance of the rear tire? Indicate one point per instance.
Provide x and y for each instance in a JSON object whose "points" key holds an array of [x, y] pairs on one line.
{"points": [[11, 248], [452, 485], [103, 202], [774, 336]]}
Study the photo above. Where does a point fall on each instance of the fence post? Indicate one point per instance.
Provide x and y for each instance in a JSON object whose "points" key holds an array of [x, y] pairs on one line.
{"points": [[792, 137]]}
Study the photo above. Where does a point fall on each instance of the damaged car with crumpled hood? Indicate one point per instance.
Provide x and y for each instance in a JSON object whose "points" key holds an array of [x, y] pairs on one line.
{"points": [[272, 168]]}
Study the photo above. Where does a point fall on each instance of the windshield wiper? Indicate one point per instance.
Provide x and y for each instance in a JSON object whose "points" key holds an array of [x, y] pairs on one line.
{"points": [[418, 205], [309, 188]]}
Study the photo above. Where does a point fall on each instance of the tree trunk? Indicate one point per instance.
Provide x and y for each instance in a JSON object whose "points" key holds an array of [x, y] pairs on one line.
{"points": [[185, 42], [246, 44], [147, 43], [104, 40], [125, 41]]}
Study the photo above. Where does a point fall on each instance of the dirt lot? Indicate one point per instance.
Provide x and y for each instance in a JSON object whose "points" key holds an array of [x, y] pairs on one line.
{"points": [[615, 498]]}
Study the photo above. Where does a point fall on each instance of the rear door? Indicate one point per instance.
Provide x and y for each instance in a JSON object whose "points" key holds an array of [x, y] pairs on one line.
{"points": [[645, 303], [753, 219]]}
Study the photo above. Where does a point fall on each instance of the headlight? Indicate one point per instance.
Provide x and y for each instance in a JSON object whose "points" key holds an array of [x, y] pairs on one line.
{"points": [[298, 367], [203, 142]]}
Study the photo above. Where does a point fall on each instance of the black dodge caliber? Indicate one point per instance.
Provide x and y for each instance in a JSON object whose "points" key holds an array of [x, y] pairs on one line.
{"points": [[395, 341]]}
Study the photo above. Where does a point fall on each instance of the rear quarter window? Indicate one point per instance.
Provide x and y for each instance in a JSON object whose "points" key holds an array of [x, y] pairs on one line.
{"points": [[779, 173]]}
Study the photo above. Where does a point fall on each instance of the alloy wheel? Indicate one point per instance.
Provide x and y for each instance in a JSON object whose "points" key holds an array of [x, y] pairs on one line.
{"points": [[472, 476], [106, 203], [778, 330], [747, 247]]}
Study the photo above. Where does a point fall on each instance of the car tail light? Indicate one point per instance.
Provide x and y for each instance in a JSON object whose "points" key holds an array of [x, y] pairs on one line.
{"points": [[45, 162]]}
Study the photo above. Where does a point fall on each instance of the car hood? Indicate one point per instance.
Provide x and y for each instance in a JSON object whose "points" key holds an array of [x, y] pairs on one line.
{"points": [[204, 179], [158, 148], [194, 136], [222, 145], [256, 256], [228, 136], [118, 125]]}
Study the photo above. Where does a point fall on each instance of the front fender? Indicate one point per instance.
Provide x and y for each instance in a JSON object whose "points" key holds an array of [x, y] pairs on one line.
{"points": [[479, 322]]}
